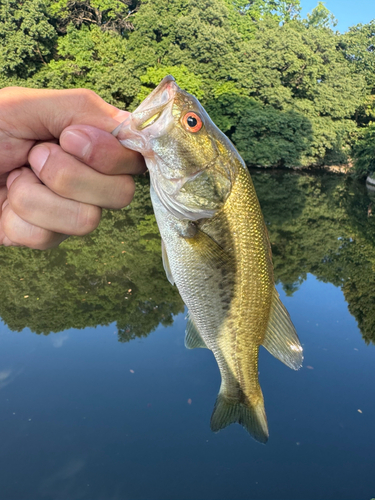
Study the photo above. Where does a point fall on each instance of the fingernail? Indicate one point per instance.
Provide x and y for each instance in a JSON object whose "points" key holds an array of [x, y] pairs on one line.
{"points": [[38, 157], [76, 143], [12, 177], [121, 116]]}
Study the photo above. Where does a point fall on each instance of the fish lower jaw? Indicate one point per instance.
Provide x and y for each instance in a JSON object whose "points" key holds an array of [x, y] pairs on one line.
{"points": [[135, 142]]}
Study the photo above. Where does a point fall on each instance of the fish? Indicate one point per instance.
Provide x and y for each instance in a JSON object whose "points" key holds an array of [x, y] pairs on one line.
{"points": [[215, 248]]}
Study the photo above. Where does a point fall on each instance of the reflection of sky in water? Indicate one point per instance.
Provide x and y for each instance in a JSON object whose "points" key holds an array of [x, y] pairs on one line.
{"points": [[97, 419]]}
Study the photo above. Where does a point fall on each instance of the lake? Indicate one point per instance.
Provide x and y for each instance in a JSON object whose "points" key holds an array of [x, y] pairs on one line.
{"points": [[100, 400]]}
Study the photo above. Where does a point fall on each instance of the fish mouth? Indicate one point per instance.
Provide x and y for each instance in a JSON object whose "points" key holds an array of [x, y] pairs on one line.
{"points": [[160, 97], [148, 112]]}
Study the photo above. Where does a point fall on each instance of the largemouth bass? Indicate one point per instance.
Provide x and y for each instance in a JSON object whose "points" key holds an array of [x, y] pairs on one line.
{"points": [[215, 247]]}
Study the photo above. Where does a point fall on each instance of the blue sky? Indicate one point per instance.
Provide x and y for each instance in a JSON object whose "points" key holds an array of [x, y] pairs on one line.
{"points": [[347, 12]]}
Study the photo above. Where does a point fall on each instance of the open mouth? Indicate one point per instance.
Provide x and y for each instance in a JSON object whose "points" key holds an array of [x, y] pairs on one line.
{"points": [[130, 132], [151, 108]]}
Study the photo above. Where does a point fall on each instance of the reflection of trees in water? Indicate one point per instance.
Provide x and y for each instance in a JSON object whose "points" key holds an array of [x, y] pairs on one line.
{"points": [[318, 224], [113, 275]]}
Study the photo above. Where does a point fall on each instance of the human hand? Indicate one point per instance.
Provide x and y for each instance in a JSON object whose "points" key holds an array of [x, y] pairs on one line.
{"points": [[77, 166]]}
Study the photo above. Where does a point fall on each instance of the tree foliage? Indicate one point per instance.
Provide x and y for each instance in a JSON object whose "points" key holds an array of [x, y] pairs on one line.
{"points": [[359, 49], [320, 225], [27, 38], [112, 275], [364, 152], [298, 72], [321, 17], [245, 15], [287, 91], [323, 225], [358, 45], [256, 10], [107, 14], [255, 64]]}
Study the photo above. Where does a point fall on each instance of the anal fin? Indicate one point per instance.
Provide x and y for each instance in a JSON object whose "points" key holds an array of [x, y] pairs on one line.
{"points": [[281, 338], [193, 338]]}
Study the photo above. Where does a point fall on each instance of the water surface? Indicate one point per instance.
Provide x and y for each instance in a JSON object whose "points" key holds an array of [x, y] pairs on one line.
{"points": [[99, 399]]}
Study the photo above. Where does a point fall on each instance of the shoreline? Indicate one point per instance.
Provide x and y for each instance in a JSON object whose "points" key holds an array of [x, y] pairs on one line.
{"points": [[333, 169]]}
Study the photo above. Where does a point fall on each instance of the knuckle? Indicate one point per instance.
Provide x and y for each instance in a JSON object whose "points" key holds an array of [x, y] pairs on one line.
{"points": [[123, 192], [10, 97], [88, 218], [19, 198], [37, 238], [43, 241], [58, 178], [12, 91], [21, 233], [88, 93], [8, 226], [7, 91], [59, 174], [87, 98], [16, 230]]}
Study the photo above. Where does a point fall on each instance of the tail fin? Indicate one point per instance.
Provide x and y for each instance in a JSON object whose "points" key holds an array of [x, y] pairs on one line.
{"points": [[252, 417]]}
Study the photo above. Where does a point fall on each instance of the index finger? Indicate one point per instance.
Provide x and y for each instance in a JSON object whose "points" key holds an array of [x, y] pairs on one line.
{"points": [[101, 150], [31, 115], [42, 114]]}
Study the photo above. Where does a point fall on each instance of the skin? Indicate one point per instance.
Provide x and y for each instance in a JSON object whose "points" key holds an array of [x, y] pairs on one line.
{"points": [[59, 165]]}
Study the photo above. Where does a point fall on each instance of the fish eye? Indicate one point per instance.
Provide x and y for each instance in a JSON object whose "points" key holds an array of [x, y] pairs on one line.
{"points": [[192, 122]]}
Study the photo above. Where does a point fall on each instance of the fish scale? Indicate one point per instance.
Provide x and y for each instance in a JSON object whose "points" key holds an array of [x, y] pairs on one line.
{"points": [[253, 284], [215, 248], [251, 302]]}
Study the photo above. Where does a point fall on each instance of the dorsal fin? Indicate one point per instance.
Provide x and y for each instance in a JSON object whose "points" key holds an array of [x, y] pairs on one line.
{"points": [[281, 338], [166, 265], [193, 338]]}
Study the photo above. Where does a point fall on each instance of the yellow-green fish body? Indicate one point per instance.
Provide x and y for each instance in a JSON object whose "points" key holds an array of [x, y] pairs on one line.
{"points": [[215, 248]]}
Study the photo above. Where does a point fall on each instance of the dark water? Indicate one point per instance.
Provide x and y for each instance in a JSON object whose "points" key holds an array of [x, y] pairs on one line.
{"points": [[100, 400]]}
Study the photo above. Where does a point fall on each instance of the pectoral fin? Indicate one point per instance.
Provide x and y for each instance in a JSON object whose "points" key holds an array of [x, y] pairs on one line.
{"points": [[193, 338], [208, 250], [281, 339], [166, 266]]}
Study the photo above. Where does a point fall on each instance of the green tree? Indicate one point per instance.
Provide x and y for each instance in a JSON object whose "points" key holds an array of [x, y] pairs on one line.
{"points": [[264, 136], [358, 46], [319, 224], [288, 92], [182, 32], [257, 10], [91, 58], [245, 15], [184, 78], [96, 280], [322, 226], [300, 69], [364, 152], [27, 38], [321, 17], [115, 15]]}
